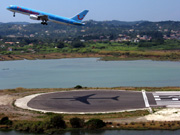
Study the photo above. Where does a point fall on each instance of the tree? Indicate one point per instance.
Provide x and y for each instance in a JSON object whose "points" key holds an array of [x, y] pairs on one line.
{"points": [[78, 87], [77, 44], [57, 121], [77, 122], [60, 45], [111, 37], [95, 124], [5, 121]]}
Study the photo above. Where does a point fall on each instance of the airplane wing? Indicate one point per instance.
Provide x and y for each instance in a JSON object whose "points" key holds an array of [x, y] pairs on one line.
{"points": [[39, 17], [84, 99], [43, 17]]}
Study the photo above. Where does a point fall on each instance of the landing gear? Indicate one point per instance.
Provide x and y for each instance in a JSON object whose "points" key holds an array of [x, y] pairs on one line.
{"points": [[14, 14], [44, 22]]}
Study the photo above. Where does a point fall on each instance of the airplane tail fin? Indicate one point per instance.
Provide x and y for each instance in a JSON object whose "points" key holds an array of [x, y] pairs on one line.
{"points": [[79, 17]]}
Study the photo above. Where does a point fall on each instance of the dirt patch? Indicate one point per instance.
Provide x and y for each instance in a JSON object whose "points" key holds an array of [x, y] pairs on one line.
{"points": [[168, 114], [7, 99], [8, 109]]}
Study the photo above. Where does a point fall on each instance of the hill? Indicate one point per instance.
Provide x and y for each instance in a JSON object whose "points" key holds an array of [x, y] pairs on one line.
{"points": [[92, 29]]}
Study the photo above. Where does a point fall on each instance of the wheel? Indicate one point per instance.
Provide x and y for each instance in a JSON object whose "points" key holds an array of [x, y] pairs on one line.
{"points": [[44, 23]]}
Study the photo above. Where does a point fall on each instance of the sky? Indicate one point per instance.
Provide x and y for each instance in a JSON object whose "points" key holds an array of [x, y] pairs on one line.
{"points": [[99, 10]]}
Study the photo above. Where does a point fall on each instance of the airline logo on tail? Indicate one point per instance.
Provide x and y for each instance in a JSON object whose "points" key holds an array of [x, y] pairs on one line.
{"points": [[80, 16]]}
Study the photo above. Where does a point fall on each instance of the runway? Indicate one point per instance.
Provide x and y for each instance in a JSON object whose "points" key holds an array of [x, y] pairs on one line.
{"points": [[168, 99], [90, 101]]}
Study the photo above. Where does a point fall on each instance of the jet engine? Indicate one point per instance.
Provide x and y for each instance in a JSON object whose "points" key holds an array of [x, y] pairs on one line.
{"points": [[34, 17]]}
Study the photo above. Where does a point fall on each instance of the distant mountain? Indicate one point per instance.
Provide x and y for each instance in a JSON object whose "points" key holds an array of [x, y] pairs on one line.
{"points": [[116, 22], [22, 23], [92, 29]]}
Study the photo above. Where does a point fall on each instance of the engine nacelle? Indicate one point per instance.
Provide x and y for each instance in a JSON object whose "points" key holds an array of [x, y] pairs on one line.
{"points": [[34, 17]]}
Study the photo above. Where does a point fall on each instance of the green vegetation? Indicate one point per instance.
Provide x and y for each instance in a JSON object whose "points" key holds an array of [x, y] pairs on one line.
{"points": [[5, 121], [95, 124], [151, 125], [51, 123], [112, 40], [31, 126], [107, 51], [77, 122], [78, 87], [55, 123], [90, 47], [92, 29]]}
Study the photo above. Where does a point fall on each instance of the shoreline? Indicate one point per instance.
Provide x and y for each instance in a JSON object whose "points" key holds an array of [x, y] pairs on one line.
{"points": [[104, 55]]}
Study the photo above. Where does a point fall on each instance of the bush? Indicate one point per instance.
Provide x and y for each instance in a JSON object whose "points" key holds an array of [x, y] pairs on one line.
{"points": [[57, 121], [37, 127], [5, 121], [77, 122], [95, 124], [77, 44], [60, 45], [22, 126], [33, 127], [78, 87]]}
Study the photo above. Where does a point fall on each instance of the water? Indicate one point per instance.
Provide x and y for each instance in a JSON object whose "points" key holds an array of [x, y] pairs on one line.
{"points": [[105, 132], [88, 72]]}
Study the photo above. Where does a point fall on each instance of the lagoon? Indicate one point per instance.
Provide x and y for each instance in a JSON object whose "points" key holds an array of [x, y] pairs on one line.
{"points": [[88, 72]]}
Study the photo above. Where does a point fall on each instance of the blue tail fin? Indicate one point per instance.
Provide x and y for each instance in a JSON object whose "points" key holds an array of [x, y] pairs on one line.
{"points": [[79, 17]]}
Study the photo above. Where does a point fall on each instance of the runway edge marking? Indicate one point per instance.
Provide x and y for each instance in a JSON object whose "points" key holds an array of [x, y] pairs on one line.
{"points": [[146, 101]]}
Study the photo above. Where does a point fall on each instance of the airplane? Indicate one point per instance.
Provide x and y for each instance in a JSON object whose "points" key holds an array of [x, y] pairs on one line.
{"points": [[84, 99], [44, 17]]}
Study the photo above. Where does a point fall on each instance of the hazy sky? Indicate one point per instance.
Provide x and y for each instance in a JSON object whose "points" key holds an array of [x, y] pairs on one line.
{"points": [[123, 10]]}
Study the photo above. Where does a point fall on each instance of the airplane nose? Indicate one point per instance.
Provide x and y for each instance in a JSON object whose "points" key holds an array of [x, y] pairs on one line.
{"points": [[8, 7]]}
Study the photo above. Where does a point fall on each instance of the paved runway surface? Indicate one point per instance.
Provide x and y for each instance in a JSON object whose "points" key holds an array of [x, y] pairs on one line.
{"points": [[168, 99], [91, 101], [99, 101]]}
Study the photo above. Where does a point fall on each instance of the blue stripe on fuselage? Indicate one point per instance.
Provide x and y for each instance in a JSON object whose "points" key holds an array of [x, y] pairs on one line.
{"points": [[51, 17]]}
